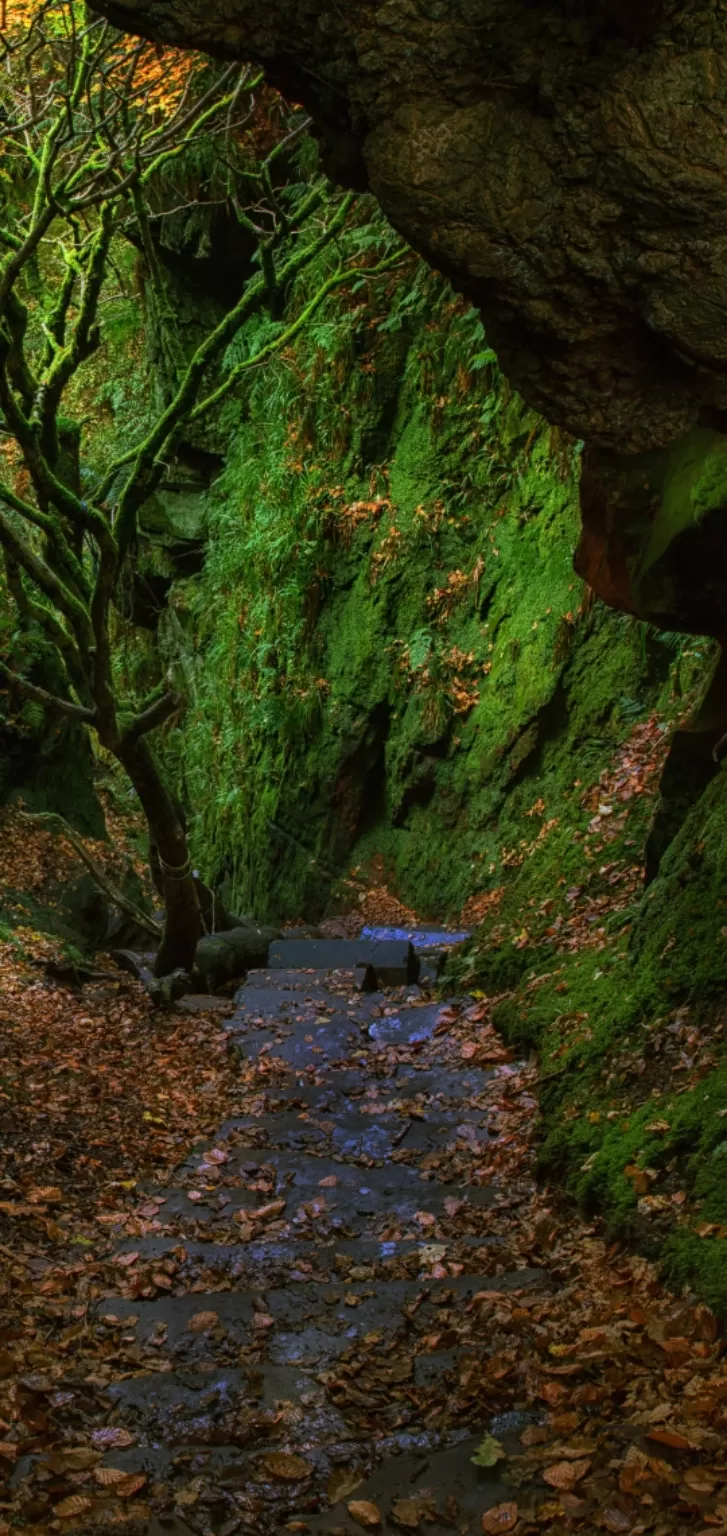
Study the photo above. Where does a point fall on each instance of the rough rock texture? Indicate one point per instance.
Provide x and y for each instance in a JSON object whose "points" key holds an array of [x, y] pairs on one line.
{"points": [[565, 163]]}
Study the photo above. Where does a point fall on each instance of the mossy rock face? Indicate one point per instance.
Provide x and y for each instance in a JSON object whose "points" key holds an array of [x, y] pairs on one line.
{"points": [[47, 765], [682, 923], [397, 660], [654, 537]]}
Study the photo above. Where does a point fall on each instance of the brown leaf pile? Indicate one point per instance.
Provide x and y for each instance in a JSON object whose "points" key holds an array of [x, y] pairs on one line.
{"points": [[97, 1093]]}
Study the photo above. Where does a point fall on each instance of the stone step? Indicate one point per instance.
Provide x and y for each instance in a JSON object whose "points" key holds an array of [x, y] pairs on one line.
{"points": [[316, 1309], [422, 939], [192, 1404], [344, 1089], [393, 1466], [299, 1170], [290, 1262], [284, 992], [445, 1483], [426, 1467], [348, 1309], [394, 961], [364, 1202], [354, 1135], [320, 1040]]}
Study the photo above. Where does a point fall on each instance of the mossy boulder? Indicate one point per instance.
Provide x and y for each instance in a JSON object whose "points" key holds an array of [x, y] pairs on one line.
{"points": [[224, 957]]}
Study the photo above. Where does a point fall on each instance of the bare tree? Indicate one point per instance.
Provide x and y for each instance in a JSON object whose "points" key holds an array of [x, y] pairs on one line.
{"points": [[91, 122]]}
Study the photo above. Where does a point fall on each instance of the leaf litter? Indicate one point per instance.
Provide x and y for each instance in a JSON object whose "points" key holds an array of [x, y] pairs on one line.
{"points": [[622, 1384]]}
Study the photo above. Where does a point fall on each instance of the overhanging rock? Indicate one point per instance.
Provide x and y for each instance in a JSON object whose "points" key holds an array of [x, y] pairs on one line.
{"points": [[563, 161]]}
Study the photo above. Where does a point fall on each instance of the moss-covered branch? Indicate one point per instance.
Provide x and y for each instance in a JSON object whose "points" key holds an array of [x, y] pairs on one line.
{"points": [[337, 280], [46, 579], [48, 700]]}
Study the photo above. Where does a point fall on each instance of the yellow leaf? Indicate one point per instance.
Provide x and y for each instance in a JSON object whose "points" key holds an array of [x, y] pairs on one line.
{"points": [[365, 1514], [76, 1505]]}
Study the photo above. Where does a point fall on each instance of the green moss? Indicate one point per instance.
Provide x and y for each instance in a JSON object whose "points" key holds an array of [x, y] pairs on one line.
{"points": [[395, 661]]}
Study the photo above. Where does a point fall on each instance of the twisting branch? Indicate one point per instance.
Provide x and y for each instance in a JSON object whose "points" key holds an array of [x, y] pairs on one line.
{"points": [[169, 704], [338, 280], [49, 701], [47, 580]]}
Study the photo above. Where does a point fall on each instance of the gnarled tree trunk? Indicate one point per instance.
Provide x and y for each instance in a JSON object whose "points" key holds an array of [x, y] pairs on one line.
{"points": [[182, 918]]}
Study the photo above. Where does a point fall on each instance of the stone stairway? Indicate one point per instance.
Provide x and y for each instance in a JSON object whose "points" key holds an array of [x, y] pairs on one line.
{"points": [[305, 1358]]}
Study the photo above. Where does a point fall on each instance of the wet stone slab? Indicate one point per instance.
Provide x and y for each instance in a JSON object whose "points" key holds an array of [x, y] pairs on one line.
{"points": [[444, 1482], [319, 1275]]}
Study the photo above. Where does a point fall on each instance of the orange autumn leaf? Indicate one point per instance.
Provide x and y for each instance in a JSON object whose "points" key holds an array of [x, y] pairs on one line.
{"points": [[365, 1514], [670, 1437], [503, 1517], [565, 1474]]}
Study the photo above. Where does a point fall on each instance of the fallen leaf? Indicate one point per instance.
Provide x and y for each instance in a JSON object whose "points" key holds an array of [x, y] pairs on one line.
{"points": [[365, 1514], [488, 1453], [342, 1482], [407, 1513], [133, 1481], [202, 1321], [74, 1458], [503, 1517], [670, 1437], [290, 1469], [615, 1520], [50, 1194], [76, 1505], [114, 1436], [107, 1476], [565, 1474]]}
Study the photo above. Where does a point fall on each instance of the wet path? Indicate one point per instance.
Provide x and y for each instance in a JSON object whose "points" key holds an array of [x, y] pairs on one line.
{"points": [[308, 1354]]}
